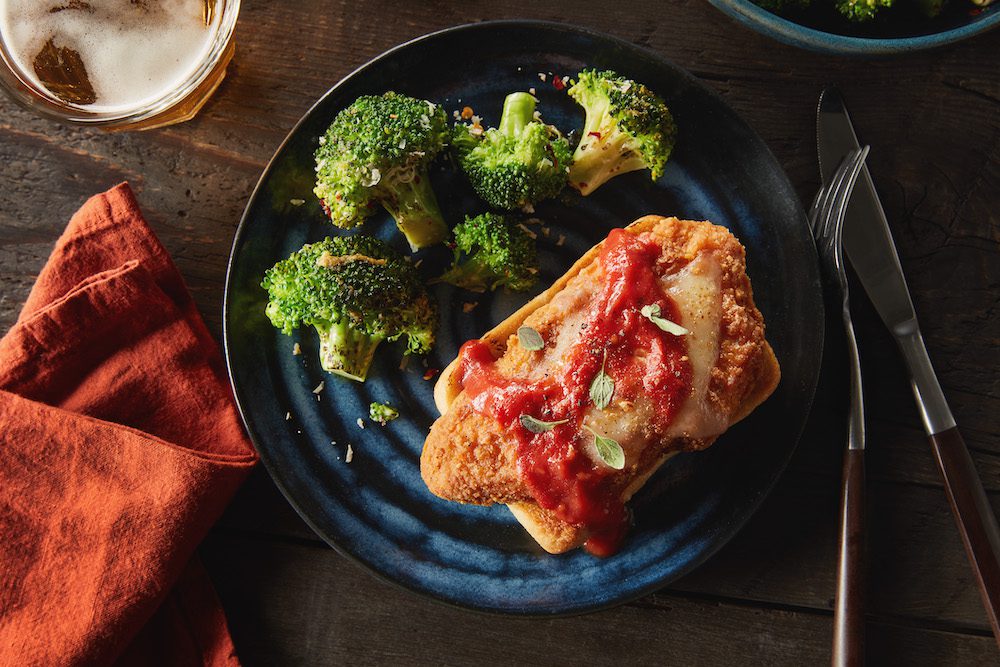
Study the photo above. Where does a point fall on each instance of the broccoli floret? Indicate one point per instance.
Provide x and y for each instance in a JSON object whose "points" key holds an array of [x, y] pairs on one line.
{"points": [[356, 291], [628, 127], [492, 251], [861, 10], [381, 413], [378, 151], [522, 162]]}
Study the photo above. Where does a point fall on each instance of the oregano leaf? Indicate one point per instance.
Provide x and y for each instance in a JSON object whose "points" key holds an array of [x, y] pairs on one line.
{"points": [[652, 313], [530, 339], [602, 387], [536, 425]]}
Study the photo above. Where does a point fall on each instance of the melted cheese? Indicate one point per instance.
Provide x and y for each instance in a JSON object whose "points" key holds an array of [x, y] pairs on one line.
{"points": [[696, 289]]}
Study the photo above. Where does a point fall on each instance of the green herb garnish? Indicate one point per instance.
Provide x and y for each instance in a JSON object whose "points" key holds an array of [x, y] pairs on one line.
{"points": [[609, 450], [530, 339], [652, 313], [537, 425], [602, 388]]}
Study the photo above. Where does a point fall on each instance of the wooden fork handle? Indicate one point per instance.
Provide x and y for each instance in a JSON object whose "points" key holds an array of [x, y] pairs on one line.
{"points": [[849, 614], [974, 515]]}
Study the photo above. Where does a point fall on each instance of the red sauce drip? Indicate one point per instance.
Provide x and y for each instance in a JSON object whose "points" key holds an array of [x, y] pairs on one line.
{"points": [[641, 359]]}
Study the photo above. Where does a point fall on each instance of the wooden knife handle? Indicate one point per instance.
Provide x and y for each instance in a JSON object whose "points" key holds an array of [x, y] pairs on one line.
{"points": [[849, 614], [976, 521]]}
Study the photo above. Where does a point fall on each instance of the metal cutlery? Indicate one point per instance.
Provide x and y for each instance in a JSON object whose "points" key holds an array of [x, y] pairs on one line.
{"points": [[870, 249], [827, 221]]}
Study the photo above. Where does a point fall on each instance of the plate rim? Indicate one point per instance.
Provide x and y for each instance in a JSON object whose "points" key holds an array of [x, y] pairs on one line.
{"points": [[731, 530]]}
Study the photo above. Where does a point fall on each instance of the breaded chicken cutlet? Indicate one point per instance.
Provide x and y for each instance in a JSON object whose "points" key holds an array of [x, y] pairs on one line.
{"points": [[650, 344]]}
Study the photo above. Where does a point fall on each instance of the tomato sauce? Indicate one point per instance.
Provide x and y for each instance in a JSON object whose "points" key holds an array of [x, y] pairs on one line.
{"points": [[641, 360]]}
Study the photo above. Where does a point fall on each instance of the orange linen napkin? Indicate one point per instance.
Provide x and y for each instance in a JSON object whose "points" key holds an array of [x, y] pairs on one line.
{"points": [[120, 445]]}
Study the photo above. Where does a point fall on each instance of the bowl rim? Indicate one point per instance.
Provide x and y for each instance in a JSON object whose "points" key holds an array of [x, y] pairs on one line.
{"points": [[796, 34]]}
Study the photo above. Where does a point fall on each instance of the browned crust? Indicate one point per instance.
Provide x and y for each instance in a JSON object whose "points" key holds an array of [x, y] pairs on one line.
{"points": [[468, 458]]}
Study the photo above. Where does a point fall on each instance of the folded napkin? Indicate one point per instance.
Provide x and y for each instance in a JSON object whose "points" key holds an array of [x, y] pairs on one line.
{"points": [[120, 445]]}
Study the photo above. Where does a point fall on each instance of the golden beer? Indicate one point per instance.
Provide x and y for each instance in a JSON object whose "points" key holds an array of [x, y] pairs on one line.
{"points": [[121, 64]]}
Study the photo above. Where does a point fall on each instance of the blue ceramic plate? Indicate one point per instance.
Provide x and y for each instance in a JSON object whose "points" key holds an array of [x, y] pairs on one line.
{"points": [[891, 33], [376, 509]]}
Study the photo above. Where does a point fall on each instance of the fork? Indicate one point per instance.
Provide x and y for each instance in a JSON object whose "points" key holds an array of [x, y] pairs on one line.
{"points": [[827, 221]]}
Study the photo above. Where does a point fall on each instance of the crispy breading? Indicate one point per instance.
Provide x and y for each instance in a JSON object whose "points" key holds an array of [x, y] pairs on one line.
{"points": [[469, 458]]}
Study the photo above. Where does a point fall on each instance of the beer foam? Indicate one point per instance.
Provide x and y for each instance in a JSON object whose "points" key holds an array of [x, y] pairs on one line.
{"points": [[134, 50]]}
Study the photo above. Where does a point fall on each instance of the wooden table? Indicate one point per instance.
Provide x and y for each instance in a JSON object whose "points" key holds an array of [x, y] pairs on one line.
{"points": [[933, 120]]}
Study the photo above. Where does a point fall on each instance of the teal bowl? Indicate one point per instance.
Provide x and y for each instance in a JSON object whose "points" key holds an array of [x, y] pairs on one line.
{"points": [[894, 33]]}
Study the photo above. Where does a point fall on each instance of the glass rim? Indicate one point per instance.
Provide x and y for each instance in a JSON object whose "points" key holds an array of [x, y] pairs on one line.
{"points": [[39, 100]]}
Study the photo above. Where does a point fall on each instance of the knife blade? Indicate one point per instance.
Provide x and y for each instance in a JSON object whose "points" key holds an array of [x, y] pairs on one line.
{"points": [[871, 251]]}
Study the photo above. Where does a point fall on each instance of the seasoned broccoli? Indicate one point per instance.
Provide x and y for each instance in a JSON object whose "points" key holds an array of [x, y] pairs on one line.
{"points": [[381, 413], [628, 127], [356, 291], [497, 252], [861, 10], [522, 162], [377, 151]]}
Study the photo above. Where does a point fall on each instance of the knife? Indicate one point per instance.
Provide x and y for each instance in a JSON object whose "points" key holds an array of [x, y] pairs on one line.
{"points": [[872, 253]]}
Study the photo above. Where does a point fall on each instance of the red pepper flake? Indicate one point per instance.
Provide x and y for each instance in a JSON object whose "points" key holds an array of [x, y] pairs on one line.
{"points": [[975, 11], [430, 373], [552, 155], [594, 134], [557, 82]]}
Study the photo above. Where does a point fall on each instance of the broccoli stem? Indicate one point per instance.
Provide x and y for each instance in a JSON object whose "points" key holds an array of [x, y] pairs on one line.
{"points": [[414, 207], [518, 112], [345, 351], [603, 153], [470, 274]]}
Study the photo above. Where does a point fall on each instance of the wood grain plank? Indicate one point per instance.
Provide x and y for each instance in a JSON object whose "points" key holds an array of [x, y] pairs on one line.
{"points": [[295, 604], [933, 122]]}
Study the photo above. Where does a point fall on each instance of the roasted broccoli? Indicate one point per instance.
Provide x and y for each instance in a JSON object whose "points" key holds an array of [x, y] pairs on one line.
{"points": [[628, 127], [520, 163], [356, 291], [381, 413], [377, 151], [861, 10], [492, 251]]}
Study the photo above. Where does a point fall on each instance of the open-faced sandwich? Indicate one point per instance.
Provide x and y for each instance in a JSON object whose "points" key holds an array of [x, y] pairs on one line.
{"points": [[649, 345]]}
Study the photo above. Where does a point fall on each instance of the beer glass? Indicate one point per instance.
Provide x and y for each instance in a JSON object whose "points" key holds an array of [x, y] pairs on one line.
{"points": [[116, 64]]}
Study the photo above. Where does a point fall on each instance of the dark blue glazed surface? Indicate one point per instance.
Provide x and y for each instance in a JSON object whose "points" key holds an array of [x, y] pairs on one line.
{"points": [[827, 33], [376, 509]]}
